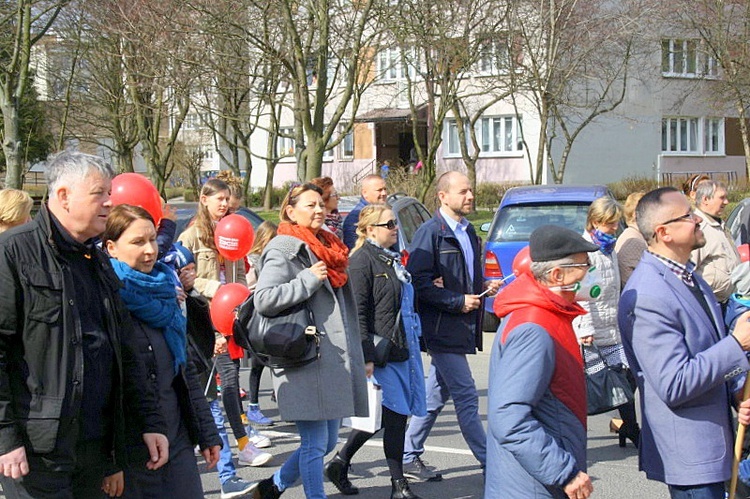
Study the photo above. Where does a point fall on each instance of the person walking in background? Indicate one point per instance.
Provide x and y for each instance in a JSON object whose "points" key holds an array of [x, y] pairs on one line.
{"points": [[263, 235], [536, 417], [597, 330], [685, 363], [447, 247], [385, 307], [159, 337], [718, 257], [61, 324], [334, 222], [630, 245], [212, 270], [305, 264], [373, 191], [15, 208]]}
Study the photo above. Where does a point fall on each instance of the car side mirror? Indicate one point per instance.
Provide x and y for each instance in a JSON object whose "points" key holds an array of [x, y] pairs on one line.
{"points": [[485, 227]]}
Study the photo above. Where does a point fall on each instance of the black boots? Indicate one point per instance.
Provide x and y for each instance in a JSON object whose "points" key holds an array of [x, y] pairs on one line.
{"points": [[400, 489], [266, 489], [337, 472], [633, 433]]}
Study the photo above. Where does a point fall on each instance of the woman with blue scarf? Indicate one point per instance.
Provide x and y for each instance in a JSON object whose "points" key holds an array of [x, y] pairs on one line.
{"points": [[158, 337], [599, 328], [385, 307]]}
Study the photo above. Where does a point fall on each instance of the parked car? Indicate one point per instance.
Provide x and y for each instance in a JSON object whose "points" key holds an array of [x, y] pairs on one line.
{"points": [[738, 222], [410, 214], [522, 210]]}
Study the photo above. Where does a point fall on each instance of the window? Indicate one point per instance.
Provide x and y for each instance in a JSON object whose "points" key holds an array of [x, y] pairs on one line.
{"points": [[285, 142], [393, 65], [495, 135], [347, 145], [194, 121], [493, 57], [687, 135], [686, 58]]}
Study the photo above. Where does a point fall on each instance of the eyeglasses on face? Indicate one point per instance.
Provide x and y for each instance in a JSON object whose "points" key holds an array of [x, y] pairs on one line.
{"points": [[331, 195], [689, 216], [576, 265], [390, 224]]}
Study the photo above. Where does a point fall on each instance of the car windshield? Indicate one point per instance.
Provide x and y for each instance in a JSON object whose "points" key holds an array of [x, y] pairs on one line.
{"points": [[516, 223]]}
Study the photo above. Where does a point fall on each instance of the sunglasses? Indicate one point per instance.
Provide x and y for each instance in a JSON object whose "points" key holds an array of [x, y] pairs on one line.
{"points": [[390, 224]]}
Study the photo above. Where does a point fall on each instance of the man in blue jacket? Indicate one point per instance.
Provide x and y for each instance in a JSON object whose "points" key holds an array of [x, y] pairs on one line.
{"points": [[685, 363], [446, 270]]}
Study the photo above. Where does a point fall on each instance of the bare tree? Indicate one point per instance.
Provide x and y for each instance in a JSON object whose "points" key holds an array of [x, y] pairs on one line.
{"points": [[576, 57], [23, 24]]}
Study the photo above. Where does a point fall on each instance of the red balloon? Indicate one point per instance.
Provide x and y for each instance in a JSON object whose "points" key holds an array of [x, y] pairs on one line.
{"points": [[744, 250], [234, 237], [226, 299], [137, 190], [522, 262]]}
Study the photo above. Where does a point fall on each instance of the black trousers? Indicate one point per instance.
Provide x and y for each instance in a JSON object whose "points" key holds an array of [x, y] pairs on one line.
{"points": [[84, 482]]}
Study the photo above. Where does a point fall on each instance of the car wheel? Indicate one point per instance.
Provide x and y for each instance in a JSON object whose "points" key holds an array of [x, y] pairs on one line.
{"points": [[490, 322]]}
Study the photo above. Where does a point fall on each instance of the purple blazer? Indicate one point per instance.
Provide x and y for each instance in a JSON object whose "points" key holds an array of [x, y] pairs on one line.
{"points": [[685, 365]]}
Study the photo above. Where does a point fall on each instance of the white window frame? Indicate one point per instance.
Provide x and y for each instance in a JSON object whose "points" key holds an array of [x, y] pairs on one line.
{"points": [[494, 57], [687, 58], [393, 65], [692, 136], [347, 143], [497, 136], [285, 146]]}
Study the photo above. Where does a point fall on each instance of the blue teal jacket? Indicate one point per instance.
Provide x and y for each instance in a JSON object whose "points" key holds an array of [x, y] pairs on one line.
{"points": [[435, 252]]}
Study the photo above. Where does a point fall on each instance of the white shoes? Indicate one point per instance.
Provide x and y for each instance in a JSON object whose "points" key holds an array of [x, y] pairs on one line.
{"points": [[257, 439], [252, 456]]}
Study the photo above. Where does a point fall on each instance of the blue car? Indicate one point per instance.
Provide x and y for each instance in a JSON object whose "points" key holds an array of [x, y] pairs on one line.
{"points": [[522, 210]]}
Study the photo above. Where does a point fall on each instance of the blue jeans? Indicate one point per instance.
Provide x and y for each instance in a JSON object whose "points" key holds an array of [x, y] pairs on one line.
{"points": [[707, 491], [225, 466], [318, 438], [450, 376]]}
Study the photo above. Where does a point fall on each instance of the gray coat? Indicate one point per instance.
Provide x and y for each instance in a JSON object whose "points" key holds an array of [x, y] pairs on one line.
{"points": [[334, 386]]}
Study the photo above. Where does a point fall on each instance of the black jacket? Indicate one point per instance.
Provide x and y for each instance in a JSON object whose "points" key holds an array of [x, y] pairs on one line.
{"points": [[377, 292], [193, 407], [41, 352], [435, 252]]}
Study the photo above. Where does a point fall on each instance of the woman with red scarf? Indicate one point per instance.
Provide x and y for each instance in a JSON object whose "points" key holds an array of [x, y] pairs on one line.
{"points": [[304, 264]]}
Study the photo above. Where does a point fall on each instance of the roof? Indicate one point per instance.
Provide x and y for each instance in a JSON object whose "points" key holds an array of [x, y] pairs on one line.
{"points": [[391, 114], [553, 193]]}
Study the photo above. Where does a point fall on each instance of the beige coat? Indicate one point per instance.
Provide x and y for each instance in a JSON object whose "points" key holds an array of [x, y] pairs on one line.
{"points": [[207, 265], [629, 249], [717, 259]]}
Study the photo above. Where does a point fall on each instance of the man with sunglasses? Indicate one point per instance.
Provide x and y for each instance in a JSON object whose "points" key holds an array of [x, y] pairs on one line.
{"points": [[446, 249], [716, 260], [686, 363]]}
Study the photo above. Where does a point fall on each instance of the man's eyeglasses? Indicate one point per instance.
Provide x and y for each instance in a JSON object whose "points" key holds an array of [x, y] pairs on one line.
{"points": [[390, 224], [687, 216], [576, 265]]}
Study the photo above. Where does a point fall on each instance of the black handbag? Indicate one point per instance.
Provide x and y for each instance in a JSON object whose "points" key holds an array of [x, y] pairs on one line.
{"points": [[289, 339], [607, 389], [386, 350]]}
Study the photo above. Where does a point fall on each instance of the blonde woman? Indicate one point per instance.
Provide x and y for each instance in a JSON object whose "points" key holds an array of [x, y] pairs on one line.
{"points": [[385, 307], [599, 326], [15, 208]]}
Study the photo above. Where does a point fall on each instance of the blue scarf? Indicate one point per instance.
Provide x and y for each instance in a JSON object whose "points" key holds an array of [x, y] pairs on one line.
{"points": [[152, 298], [606, 242]]}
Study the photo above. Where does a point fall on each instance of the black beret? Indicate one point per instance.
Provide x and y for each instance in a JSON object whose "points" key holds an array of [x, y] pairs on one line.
{"points": [[552, 242]]}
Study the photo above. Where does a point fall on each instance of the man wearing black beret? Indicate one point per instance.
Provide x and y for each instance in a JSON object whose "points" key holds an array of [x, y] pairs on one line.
{"points": [[536, 436]]}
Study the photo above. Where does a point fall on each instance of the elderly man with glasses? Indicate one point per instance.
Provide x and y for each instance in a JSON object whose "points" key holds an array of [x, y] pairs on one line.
{"points": [[686, 363], [536, 438]]}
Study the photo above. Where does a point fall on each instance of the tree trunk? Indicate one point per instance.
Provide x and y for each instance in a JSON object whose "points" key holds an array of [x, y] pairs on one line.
{"points": [[12, 145]]}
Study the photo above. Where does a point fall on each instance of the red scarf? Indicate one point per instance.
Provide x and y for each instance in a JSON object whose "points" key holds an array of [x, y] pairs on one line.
{"points": [[333, 252]]}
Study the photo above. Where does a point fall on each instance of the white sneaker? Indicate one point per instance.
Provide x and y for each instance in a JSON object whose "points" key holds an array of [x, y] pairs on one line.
{"points": [[256, 438], [252, 456]]}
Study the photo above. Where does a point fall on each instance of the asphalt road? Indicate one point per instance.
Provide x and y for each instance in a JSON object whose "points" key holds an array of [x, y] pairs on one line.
{"points": [[614, 470]]}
